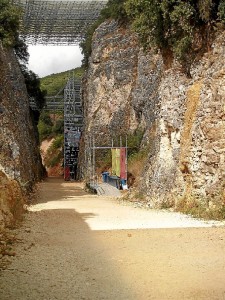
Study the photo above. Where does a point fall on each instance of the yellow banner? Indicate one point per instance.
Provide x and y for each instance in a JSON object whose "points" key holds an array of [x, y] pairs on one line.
{"points": [[116, 162]]}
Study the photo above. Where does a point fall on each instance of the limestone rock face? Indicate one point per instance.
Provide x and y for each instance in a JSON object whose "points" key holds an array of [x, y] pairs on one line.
{"points": [[20, 161], [183, 118]]}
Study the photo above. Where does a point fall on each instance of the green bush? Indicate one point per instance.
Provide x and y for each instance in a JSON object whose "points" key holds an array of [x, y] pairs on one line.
{"points": [[45, 118], [58, 128], [114, 9], [54, 84], [170, 25], [33, 83], [57, 143], [55, 154], [9, 23], [134, 142], [9, 29], [221, 11], [44, 130]]}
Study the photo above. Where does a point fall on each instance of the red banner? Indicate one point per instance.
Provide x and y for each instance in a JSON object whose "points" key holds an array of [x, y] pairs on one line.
{"points": [[123, 168]]}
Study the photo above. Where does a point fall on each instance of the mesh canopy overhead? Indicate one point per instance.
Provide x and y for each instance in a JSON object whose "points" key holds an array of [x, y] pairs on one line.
{"points": [[57, 22]]}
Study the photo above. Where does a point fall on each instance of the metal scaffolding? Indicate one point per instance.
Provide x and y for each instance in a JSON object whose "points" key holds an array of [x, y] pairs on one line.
{"points": [[90, 159], [60, 22], [55, 103], [73, 123], [70, 104]]}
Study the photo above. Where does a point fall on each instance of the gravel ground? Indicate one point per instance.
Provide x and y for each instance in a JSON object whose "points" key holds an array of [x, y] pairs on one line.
{"points": [[73, 245]]}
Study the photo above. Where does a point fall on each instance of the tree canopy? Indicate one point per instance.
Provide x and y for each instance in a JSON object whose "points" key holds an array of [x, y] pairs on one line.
{"points": [[9, 29], [9, 23]]}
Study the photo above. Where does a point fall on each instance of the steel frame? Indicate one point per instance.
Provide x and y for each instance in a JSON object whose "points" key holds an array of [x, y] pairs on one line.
{"points": [[90, 159], [73, 124], [55, 103], [70, 104], [60, 22]]}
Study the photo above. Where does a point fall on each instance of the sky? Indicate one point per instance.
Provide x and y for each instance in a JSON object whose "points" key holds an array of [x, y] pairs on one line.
{"points": [[46, 60]]}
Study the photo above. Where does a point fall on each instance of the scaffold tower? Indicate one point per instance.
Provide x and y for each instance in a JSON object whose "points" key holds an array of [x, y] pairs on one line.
{"points": [[61, 22], [70, 104], [73, 123]]}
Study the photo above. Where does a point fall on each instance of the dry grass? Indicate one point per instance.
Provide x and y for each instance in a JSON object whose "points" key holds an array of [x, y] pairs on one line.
{"points": [[206, 208], [136, 163]]}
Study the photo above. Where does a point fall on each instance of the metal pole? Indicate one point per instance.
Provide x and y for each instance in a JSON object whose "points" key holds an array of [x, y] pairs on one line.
{"points": [[93, 161], [64, 114], [90, 161], [126, 159]]}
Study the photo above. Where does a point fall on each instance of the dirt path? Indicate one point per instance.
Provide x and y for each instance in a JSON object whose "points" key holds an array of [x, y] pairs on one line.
{"points": [[77, 246]]}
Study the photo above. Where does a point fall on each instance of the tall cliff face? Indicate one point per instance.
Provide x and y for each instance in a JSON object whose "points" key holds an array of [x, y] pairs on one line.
{"points": [[183, 119], [20, 162]]}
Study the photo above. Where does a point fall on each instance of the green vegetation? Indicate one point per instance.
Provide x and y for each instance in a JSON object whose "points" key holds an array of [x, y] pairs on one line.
{"points": [[221, 11], [9, 23], [175, 26], [55, 83], [52, 125], [54, 154], [135, 152], [183, 29], [9, 29], [33, 83], [45, 126], [114, 9], [9, 37], [134, 142]]}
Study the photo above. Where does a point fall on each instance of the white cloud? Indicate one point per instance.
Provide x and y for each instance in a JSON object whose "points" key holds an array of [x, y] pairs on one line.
{"points": [[45, 60]]}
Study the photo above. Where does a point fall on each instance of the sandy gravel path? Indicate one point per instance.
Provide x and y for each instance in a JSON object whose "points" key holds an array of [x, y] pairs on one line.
{"points": [[77, 246]]}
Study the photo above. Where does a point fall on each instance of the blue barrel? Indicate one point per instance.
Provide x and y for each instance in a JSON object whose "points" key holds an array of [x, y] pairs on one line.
{"points": [[105, 176]]}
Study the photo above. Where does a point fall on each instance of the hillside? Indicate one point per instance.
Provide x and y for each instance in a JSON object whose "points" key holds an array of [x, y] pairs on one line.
{"points": [[55, 82]]}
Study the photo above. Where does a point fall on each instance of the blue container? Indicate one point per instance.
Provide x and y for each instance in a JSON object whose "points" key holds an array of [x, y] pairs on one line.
{"points": [[105, 176], [114, 181]]}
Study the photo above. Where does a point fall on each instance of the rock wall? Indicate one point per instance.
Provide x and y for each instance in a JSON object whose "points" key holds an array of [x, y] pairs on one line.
{"points": [[183, 118], [20, 162]]}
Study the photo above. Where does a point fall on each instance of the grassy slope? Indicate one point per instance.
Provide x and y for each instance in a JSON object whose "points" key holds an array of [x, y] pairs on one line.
{"points": [[55, 82]]}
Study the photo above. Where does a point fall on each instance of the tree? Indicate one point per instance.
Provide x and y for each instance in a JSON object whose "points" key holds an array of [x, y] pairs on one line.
{"points": [[21, 51], [9, 29], [9, 23], [33, 83]]}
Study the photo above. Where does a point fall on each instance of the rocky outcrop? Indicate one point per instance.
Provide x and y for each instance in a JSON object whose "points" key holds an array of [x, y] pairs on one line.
{"points": [[20, 162], [183, 118], [190, 125]]}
